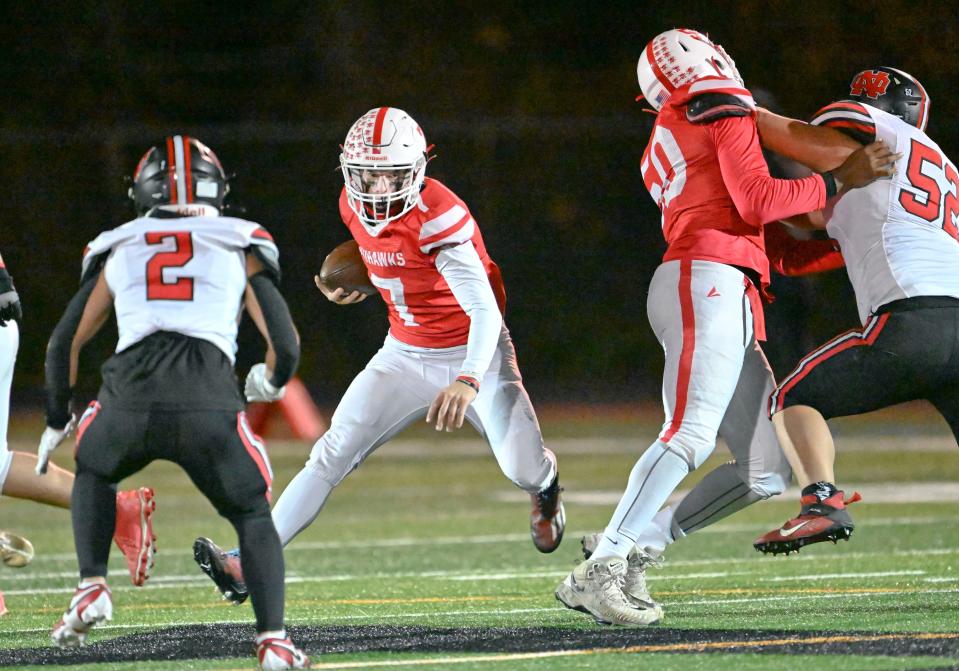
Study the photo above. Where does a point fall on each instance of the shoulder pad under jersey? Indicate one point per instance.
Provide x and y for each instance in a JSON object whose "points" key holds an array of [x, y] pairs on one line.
{"points": [[263, 247], [710, 107], [98, 250], [847, 117]]}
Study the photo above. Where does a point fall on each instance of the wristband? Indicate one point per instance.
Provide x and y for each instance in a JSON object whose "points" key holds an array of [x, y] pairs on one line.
{"points": [[829, 180], [469, 382]]}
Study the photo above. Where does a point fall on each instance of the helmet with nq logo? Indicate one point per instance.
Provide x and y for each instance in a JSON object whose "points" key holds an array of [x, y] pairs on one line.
{"points": [[892, 91]]}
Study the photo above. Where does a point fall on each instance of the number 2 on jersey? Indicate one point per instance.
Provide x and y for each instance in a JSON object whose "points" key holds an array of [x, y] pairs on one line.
{"points": [[180, 289], [928, 203], [394, 286]]}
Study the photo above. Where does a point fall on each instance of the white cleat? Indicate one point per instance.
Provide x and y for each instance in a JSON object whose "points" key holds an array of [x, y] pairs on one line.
{"points": [[275, 654], [596, 587], [634, 584], [90, 605]]}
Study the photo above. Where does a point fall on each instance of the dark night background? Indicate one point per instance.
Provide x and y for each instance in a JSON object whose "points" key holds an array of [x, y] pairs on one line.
{"points": [[531, 107]]}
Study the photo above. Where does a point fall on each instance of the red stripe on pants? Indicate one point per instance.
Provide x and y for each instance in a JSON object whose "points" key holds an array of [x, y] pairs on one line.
{"points": [[689, 346], [254, 454]]}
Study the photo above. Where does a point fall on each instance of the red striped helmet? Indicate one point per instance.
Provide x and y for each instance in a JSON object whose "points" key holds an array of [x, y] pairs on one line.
{"points": [[384, 165], [179, 172], [892, 91], [679, 57]]}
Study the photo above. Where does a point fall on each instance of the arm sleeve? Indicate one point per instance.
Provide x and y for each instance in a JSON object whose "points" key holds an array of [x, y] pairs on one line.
{"points": [[463, 271], [758, 197], [57, 364], [789, 256], [279, 324]]}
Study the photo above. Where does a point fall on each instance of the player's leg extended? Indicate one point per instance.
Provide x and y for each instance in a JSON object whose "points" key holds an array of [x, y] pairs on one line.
{"points": [[387, 396], [504, 414], [858, 371], [229, 465], [760, 469], [696, 310]]}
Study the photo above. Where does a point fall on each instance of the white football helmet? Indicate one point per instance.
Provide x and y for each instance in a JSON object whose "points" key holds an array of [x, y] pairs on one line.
{"points": [[384, 165], [678, 57]]}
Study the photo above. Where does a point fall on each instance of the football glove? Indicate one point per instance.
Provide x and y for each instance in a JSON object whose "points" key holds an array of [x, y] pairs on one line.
{"points": [[48, 443], [10, 307], [258, 388]]}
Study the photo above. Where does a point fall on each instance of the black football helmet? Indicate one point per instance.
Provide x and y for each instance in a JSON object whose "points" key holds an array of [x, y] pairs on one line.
{"points": [[892, 91], [179, 171]]}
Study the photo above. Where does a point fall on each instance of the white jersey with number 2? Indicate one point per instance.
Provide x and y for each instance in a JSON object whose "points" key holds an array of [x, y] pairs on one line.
{"points": [[181, 274]]}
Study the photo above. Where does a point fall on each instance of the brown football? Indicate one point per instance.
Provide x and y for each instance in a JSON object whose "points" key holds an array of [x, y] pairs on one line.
{"points": [[343, 267]]}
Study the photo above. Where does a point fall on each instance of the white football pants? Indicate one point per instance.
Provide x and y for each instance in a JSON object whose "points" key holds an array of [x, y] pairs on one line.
{"points": [[394, 390], [716, 381], [9, 343]]}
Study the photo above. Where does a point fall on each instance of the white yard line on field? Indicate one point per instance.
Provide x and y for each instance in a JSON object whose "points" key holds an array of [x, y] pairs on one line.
{"points": [[492, 539]]}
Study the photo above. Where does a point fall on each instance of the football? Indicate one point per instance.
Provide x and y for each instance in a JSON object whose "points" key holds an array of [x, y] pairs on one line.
{"points": [[343, 267]]}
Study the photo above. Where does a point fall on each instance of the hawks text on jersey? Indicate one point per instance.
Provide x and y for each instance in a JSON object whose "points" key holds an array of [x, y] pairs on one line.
{"points": [[401, 260]]}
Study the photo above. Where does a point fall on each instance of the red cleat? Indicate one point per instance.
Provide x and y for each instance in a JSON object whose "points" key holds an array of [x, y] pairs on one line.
{"points": [[818, 521], [134, 532]]}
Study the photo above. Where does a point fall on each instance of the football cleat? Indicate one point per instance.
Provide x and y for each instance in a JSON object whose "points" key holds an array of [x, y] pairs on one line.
{"points": [[90, 604], [596, 587], [548, 517], [15, 550], [818, 521], [273, 654], [634, 583], [224, 570], [134, 532]]}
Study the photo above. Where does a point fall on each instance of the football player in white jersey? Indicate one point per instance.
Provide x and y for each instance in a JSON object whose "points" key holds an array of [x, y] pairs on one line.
{"points": [[448, 355], [900, 243], [178, 278], [19, 479]]}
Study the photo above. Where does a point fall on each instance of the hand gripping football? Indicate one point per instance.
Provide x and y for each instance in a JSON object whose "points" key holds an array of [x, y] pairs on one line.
{"points": [[343, 267]]}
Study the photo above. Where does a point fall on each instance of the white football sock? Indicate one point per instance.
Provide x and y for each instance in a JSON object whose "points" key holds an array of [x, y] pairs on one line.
{"points": [[652, 480], [658, 534], [300, 503]]}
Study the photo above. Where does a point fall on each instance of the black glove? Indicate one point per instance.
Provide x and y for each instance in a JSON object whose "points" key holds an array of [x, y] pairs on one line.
{"points": [[9, 299]]}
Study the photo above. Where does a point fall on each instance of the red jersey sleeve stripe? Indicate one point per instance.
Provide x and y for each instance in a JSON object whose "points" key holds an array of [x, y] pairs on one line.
{"points": [[262, 233], [447, 233], [845, 105], [845, 123]]}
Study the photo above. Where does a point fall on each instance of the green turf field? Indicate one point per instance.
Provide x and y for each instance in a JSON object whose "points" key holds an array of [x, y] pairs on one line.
{"points": [[428, 539]]}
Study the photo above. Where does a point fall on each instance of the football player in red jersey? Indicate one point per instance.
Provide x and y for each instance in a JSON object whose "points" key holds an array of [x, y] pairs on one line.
{"points": [[448, 356], [704, 168], [20, 478]]}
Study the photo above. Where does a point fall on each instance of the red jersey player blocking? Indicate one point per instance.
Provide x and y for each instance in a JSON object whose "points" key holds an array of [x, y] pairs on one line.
{"points": [[704, 168], [900, 241], [448, 355]]}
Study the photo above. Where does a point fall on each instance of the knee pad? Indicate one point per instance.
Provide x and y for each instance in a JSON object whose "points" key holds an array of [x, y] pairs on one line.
{"points": [[694, 449], [772, 482]]}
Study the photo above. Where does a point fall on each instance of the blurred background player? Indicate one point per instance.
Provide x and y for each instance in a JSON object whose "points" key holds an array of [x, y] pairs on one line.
{"points": [[177, 277], [900, 241], [448, 354], [704, 168], [20, 478]]}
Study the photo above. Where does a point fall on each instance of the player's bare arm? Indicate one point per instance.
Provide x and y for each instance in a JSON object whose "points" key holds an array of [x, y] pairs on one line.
{"points": [[817, 147], [97, 310], [269, 312]]}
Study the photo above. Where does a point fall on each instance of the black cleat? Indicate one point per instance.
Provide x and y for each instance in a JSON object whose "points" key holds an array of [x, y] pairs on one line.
{"points": [[223, 568]]}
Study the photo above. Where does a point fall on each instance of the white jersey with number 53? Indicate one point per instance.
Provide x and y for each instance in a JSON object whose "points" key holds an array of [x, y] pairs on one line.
{"points": [[181, 274], [898, 235]]}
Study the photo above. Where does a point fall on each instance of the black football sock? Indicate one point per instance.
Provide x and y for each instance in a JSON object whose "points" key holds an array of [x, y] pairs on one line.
{"points": [[261, 557], [93, 508]]}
